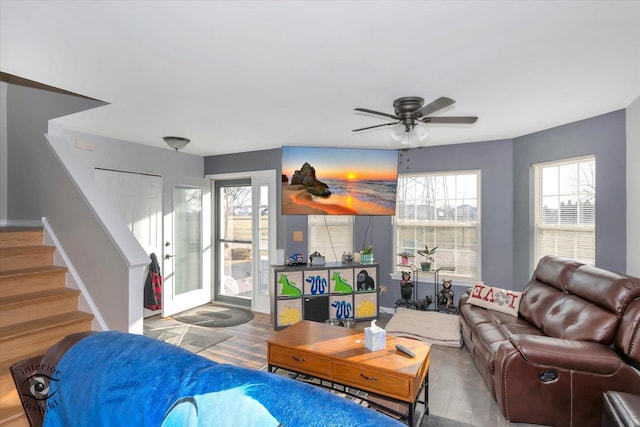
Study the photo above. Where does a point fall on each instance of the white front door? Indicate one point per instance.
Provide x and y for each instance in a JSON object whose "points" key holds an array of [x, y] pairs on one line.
{"points": [[187, 250]]}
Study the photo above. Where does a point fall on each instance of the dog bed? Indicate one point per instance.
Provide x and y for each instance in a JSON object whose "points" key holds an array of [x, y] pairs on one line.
{"points": [[429, 326]]}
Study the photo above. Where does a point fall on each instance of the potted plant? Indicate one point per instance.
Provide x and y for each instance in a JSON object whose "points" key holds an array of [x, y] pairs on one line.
{"points": [[428, 255], [405, 256], [367, 255]]}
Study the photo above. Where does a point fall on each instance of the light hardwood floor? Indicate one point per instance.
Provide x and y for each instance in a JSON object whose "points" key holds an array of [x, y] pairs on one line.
{"points": [[456, 390]]}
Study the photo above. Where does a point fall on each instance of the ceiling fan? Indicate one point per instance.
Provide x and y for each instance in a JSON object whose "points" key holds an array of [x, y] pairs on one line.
{"points": [[411, 111]]}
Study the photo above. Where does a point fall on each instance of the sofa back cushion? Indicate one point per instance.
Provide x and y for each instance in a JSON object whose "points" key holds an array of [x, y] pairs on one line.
{"points": [[555, 271], [580, 302], [612, 291], [549, 280]]}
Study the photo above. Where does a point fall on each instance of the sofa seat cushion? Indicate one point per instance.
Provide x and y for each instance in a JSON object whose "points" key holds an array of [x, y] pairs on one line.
{"points": [[520, 327], [475, 315]]}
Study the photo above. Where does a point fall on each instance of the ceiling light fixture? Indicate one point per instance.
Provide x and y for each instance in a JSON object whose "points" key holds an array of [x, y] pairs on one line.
{"points": [[403, 133], [176, 142]]}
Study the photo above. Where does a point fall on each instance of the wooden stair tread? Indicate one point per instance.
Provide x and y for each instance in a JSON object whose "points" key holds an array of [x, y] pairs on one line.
{"points": [[49, 294], [51, 322], [16, 228], [31, 271], [26, 249]]}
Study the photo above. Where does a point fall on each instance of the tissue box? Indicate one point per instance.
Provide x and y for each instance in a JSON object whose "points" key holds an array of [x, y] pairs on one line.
{"points": [[375, 340]]}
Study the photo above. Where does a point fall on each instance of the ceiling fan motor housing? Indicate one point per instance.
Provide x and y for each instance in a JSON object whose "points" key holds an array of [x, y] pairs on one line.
{"points": [[406, 107]]}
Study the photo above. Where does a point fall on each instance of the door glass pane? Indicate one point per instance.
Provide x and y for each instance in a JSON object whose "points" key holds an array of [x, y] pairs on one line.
{"points": [[236, 271], [263, 232], [235, 243], [188, 239]]}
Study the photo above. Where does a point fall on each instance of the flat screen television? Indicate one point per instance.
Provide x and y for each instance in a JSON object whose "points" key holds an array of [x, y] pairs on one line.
{"points": [[339, 181]]}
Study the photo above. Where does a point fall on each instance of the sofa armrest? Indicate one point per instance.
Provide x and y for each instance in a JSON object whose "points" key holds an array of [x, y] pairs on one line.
{"points": [[567, 354]]}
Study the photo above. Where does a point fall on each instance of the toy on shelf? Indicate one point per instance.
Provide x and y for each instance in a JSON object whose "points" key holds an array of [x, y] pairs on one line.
{"points": [[445, 295]]}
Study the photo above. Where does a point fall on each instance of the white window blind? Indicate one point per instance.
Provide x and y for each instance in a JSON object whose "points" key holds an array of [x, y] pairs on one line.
{"points": [[565, 209], [331, 235], [440, 210]]}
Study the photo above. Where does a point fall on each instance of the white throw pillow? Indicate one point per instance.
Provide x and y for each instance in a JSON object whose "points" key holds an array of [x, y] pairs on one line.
{"points": [[496, 299]]}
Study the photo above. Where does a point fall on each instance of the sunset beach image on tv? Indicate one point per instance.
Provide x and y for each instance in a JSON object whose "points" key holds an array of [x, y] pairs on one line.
{"points": [[339, 181]]}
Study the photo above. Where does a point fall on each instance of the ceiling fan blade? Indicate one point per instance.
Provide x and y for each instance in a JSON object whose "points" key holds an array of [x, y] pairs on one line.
{"points": [[366, 110], [376, 126], [436, 105], [463, 120]]}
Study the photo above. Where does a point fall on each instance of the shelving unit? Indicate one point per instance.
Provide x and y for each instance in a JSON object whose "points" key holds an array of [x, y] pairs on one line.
{"points": [[331, 291]]}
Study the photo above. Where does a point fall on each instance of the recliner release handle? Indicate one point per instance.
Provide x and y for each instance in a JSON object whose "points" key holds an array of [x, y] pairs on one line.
{"points": [[547, 376]]}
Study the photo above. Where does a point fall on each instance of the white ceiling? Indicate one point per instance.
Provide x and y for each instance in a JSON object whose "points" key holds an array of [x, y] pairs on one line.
{"points": [[243, 75]]}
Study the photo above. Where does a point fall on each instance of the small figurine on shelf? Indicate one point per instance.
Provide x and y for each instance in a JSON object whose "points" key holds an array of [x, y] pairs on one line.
{"points": [[445, 296], [406, 286], [424, 303]]}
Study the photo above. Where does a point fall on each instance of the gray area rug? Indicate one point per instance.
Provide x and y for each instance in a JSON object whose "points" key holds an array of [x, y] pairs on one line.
{"points": [[358, 397], [188, 337], [214, 316]]}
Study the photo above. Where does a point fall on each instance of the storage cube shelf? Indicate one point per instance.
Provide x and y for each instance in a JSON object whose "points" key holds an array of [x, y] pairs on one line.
{"points": [[331, 291]]}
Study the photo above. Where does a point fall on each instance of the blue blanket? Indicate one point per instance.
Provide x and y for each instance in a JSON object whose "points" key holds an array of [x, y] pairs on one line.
{"points": [[119, 379]]}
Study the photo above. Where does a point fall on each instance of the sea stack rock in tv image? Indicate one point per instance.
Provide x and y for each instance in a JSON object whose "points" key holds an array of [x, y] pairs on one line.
{"points": [[339, 181]]}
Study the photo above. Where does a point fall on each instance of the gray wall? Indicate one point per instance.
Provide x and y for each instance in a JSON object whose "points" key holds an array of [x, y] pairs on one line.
{"points": [[506, 188], [605, 137], [257, 161], [30, 159]]}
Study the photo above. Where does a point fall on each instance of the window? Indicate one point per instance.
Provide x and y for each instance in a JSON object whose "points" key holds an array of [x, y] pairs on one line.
{"points": [[440, 210], [565, 209], [331, 235]]}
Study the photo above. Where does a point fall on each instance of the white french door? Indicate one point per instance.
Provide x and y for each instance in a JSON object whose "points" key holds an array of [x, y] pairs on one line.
{"points": [[187, 250], [245, 237]]}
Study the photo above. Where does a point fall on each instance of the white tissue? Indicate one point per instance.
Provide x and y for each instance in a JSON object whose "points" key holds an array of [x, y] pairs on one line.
{"points": [[375, 338]]}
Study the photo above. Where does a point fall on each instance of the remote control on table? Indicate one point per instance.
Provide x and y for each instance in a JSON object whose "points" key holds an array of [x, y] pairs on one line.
{"points": [[405, 350]]}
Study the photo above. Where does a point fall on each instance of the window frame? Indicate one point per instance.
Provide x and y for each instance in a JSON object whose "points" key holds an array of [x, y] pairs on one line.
{"points": [[416, 223], [569, 228]]}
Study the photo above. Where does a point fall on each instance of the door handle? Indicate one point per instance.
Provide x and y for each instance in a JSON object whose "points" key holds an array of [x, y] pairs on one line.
{"points": [[167, 256]]}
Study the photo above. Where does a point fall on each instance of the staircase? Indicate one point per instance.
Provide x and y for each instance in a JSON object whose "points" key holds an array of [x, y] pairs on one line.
{"points": [[36, 309]]}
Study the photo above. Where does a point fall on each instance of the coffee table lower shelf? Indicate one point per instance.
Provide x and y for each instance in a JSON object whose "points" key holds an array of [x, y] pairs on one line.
{"points": [[412, 413]]}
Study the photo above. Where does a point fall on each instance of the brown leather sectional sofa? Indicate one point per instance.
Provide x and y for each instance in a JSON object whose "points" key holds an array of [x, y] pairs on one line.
{"points": [[576, 336]]}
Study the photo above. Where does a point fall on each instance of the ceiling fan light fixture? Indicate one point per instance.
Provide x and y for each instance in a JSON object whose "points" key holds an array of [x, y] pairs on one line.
{"points": [[421, 132], [398, 132], [406, 139], [176, 142]]}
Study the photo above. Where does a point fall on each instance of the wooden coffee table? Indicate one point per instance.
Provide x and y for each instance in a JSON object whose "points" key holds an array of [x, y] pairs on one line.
{"points": [[339, 356]]}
